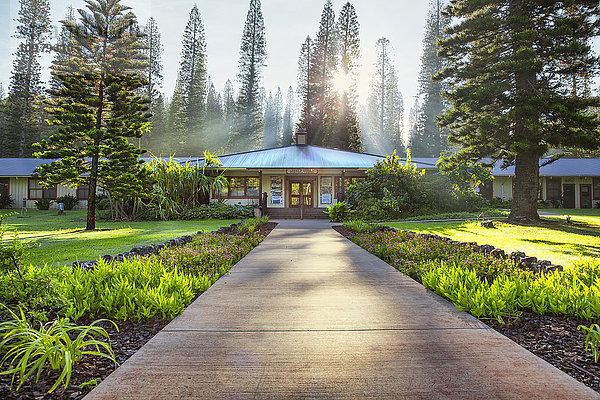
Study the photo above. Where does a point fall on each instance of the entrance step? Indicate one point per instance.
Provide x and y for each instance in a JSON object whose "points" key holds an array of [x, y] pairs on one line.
{"points": [[294, 213]]}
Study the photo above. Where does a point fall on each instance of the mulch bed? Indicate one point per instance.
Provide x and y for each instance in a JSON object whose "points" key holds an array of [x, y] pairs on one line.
{"points": [[129, 339], [552, 338], [556, 340]]}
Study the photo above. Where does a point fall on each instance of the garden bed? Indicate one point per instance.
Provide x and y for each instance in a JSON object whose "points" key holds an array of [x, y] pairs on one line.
{"points": [[552, 338], [132, 335]]}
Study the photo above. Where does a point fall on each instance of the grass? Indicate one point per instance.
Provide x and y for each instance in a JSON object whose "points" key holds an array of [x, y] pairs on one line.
{"points": [[62, 238], [554, 239]]}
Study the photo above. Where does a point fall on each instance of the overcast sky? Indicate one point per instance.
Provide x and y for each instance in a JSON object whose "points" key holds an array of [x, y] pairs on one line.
{"points": [[287, 23]]}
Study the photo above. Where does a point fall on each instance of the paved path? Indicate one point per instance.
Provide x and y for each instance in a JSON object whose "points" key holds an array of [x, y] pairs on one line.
{"points": [[309, 315]]}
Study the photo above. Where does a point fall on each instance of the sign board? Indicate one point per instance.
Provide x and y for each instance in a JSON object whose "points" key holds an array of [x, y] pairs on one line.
{"points": [[302, 171]]}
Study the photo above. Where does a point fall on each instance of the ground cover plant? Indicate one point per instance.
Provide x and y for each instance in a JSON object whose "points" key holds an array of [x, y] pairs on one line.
{"points": [[62, 238], [552, 239], [141, 289], [484, 285]]}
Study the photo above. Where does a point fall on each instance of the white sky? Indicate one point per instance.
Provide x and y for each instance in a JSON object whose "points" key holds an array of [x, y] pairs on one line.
{"points": [[287, 23]]}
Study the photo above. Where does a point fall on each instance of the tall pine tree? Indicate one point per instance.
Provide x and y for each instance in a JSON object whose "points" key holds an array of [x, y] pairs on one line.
{"points": [[305, 77], [24, 112], [153, 50], [428, 140], [248, 124], [192, 75], [386, 106], [270, 120], [228, 108], [288, 119], [322, 118], [67, 48], [215, 127], [96, 108], [347, 133], [510, 85], [278, 104]]}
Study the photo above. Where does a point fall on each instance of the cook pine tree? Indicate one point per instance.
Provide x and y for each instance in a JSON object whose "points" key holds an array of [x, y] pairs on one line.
{"points": [[428, 140], [247, 131], [347, 132], [288, 119], [270, 123], [153, 73], [385, 104], [97, 109], [321, 121], [509, 82], [24, 109], [192, 86], [305, 77]]}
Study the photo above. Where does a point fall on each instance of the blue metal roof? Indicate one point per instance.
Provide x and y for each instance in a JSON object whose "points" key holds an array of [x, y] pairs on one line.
{"points": [[20, 166], [560, 167], [292, 157]]}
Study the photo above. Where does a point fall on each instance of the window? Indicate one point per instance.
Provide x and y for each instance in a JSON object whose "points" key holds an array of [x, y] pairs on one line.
{"points": [[348, 180], [553, 190], [4, 188], [83, 192], [596, 182], [240, 187], [36, 192], [252, 188]]}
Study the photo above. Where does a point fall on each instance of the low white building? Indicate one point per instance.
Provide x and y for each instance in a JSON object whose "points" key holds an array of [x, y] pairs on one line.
{"points": [[303, 180]]}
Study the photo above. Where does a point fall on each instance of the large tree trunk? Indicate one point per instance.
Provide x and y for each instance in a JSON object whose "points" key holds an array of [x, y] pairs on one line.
{"points": [[525, 188]]}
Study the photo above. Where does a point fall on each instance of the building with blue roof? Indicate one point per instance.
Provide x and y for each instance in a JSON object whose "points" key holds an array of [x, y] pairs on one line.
{"points": [[302, 180]]}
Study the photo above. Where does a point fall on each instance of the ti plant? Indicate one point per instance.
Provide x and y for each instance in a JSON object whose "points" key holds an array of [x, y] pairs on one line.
{"points": [[592, 339], [28, 350]]}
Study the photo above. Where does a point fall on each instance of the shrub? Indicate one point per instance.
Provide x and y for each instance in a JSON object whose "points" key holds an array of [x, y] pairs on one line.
{"points": [[248, 226], [29, 350], [360, 226], [6, 201], [68, 200], [43, 204], [339, 211]]}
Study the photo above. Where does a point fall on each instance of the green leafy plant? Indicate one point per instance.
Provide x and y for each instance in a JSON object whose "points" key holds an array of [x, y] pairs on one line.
{"points": [[43, 204], [68, 200], [29, 350], [592, 339], [6, 201], [339, 211], [360, 226], [248, 226]]}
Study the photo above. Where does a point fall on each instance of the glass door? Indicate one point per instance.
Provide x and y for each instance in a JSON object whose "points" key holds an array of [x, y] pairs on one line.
{"points": [[301, 193]]}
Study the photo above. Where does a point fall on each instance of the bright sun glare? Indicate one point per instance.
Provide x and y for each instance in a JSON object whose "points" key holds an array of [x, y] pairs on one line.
{"points": [[342, 82]]}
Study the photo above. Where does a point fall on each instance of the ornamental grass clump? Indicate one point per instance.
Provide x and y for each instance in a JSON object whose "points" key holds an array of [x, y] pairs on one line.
{"points": [[58, 344]]}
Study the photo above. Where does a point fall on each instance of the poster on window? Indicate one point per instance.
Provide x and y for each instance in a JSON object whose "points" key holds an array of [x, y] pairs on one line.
{"points": [[326, 190], [276, 190]]}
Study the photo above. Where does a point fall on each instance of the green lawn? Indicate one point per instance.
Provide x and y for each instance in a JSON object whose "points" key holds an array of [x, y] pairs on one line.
{"points": [[556, 240], [62, 238]]}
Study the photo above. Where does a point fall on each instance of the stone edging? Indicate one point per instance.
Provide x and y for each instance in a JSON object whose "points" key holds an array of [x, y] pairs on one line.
{"points": [[520, 259], [141, 251]]}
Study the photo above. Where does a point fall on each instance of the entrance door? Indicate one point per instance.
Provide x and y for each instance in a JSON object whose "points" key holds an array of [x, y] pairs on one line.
{"points": [[569, 195], [301, 193], [586, 196]]}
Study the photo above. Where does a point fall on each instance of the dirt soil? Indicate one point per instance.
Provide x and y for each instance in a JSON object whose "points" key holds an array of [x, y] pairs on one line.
{"points": [[129, 339], [552, 338]]}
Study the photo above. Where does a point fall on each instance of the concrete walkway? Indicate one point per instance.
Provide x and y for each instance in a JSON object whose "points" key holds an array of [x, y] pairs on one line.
{"points": [[309, 315]]}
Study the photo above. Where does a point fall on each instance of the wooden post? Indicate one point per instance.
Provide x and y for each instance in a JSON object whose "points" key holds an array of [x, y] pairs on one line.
{"points": [[343, 188], [261, 204]]}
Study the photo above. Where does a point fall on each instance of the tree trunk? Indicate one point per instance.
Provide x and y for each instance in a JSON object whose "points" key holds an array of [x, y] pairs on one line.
{"points": [[525, 188], [91, 206]]}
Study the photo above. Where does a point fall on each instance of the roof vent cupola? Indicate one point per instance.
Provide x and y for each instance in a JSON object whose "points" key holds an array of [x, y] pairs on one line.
{"points": [[301, 137]]}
